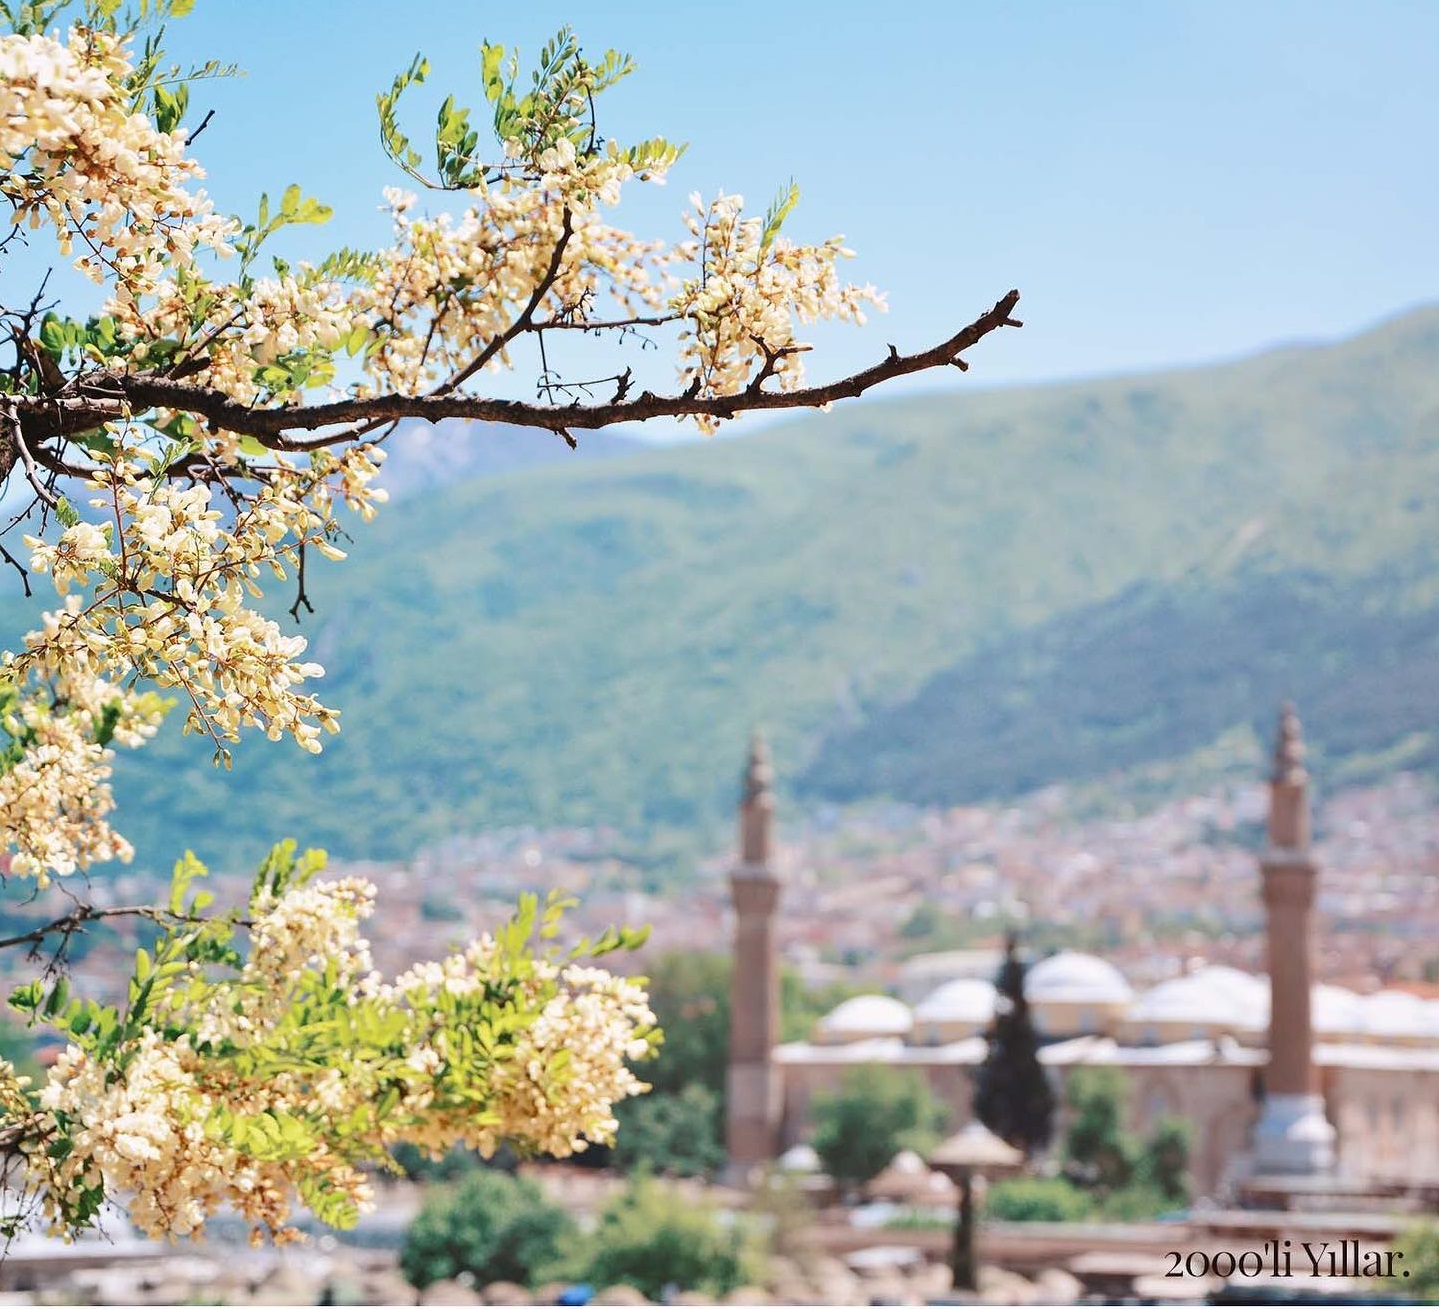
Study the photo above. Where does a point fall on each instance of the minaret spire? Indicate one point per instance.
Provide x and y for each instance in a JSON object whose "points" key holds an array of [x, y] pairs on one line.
{"points": [[1292, 1135], [1289, 747], [753, 1101], [756, 813], [1289, 786]]}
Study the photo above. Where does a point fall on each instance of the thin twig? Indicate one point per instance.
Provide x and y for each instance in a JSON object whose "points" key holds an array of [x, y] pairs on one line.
{"points": [[17, 435], [76, 919], [301, 595]]}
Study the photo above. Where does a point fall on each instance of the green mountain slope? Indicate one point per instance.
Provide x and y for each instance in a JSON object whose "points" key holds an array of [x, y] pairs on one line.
{"points": [[941, 598]]}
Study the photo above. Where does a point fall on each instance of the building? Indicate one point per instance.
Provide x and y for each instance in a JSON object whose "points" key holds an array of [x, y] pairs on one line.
{"points": [[1279, 1077]]}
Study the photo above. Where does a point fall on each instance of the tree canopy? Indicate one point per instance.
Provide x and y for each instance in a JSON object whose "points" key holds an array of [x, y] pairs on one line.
{"points": [[203, 433], [1012, 1096], [876, 1112]]}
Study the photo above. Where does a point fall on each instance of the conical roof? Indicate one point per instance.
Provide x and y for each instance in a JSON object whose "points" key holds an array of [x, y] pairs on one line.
{"points": [[975, 1146]]}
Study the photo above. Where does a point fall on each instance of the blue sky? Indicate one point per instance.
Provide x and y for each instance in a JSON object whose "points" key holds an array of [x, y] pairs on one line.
{"points": [[1166, 183]]}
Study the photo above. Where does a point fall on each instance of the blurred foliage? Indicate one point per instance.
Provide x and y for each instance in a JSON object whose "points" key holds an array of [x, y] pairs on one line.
{"points": [[670, 1132], [1012, 1094], [1126, 1180], [1164, 1160], [1098, 1153], [1418, 1270], [649, 1237], [1037, 1200], [784, 1214], [492, 1226], [876, 1112]]}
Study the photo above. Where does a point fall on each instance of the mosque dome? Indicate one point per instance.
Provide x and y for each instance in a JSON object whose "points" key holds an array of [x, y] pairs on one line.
{"points": [[1395, 1014], [1075, 978], [866, 1016], [1191, 1000], [1241, 987], [963, 1000], [1335, 1010]]}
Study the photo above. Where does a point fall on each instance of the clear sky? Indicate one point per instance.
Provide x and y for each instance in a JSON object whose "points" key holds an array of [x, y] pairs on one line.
{"points": [[1166, 183]]}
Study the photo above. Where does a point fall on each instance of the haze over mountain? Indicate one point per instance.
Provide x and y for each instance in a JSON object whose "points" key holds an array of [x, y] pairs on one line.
{"points": [[942, 599], [424, 457]]}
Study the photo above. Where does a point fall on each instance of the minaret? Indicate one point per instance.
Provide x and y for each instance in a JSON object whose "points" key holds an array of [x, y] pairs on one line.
{"points": [[1292, 1135], [753, 1112]]}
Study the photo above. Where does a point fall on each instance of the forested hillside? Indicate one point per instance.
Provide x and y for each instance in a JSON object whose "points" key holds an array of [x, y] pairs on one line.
{"points": [[941, 598]]}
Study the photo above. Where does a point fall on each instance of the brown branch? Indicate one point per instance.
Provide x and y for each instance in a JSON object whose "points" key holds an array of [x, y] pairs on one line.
{"points": [[19, 568], [75, 921], [114, 394], [604, 325], [302, 597], [527, 314], [204, 123], [11, 411]]}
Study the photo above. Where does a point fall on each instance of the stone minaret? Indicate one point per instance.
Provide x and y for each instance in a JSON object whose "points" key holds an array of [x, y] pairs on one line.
{"points": [[752, 1127], [1292, 1135]]}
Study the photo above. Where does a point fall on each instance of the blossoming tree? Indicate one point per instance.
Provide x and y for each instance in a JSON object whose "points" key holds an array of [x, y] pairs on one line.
{"points": [[203, 431]]}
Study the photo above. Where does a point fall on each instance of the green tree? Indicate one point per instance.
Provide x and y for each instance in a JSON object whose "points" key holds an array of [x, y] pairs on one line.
{"points": [[1164, 1160], [649, 1238], [689, 994], [1013, 1097], [670, 1132], [496, 1227], [1098, 1152], [876, 1113]]}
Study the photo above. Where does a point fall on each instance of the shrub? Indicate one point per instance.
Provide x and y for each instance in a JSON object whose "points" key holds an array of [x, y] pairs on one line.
{"points": [[493, 1226], [649, 1238], [1037, 1200], [1419, 1268]]}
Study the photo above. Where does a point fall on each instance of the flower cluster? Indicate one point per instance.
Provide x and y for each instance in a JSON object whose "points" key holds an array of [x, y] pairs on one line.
{"points": [[162, 592], [740, 311], [304, 1065], [55, 798], [234, 333], [448, 288], [248, 1080], [75, 152]]}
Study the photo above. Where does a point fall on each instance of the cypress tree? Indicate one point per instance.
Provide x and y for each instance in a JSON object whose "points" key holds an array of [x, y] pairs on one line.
{"points": [[1013, 1097]]}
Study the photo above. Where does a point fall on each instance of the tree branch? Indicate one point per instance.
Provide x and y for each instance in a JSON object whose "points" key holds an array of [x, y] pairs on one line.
{"points": [[108, 395], [526, 316], [75, 921]]}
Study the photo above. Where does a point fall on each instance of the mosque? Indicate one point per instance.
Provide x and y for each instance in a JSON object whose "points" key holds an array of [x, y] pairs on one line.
{"points": [[1282, 1078]]}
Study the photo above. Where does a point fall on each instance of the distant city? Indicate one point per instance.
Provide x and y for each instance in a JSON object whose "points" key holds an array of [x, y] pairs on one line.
{"points": [[869, 887]]}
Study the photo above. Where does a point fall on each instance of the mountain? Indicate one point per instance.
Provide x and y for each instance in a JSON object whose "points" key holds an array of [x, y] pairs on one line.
{"points": [[943, 598], [425, 457]]}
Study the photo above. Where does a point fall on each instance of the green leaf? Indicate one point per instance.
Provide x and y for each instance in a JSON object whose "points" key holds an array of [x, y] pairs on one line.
{"points": [[780, 209], [66, 513], [97, 442], [53, 335], [59, 994], [109, 720]]}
